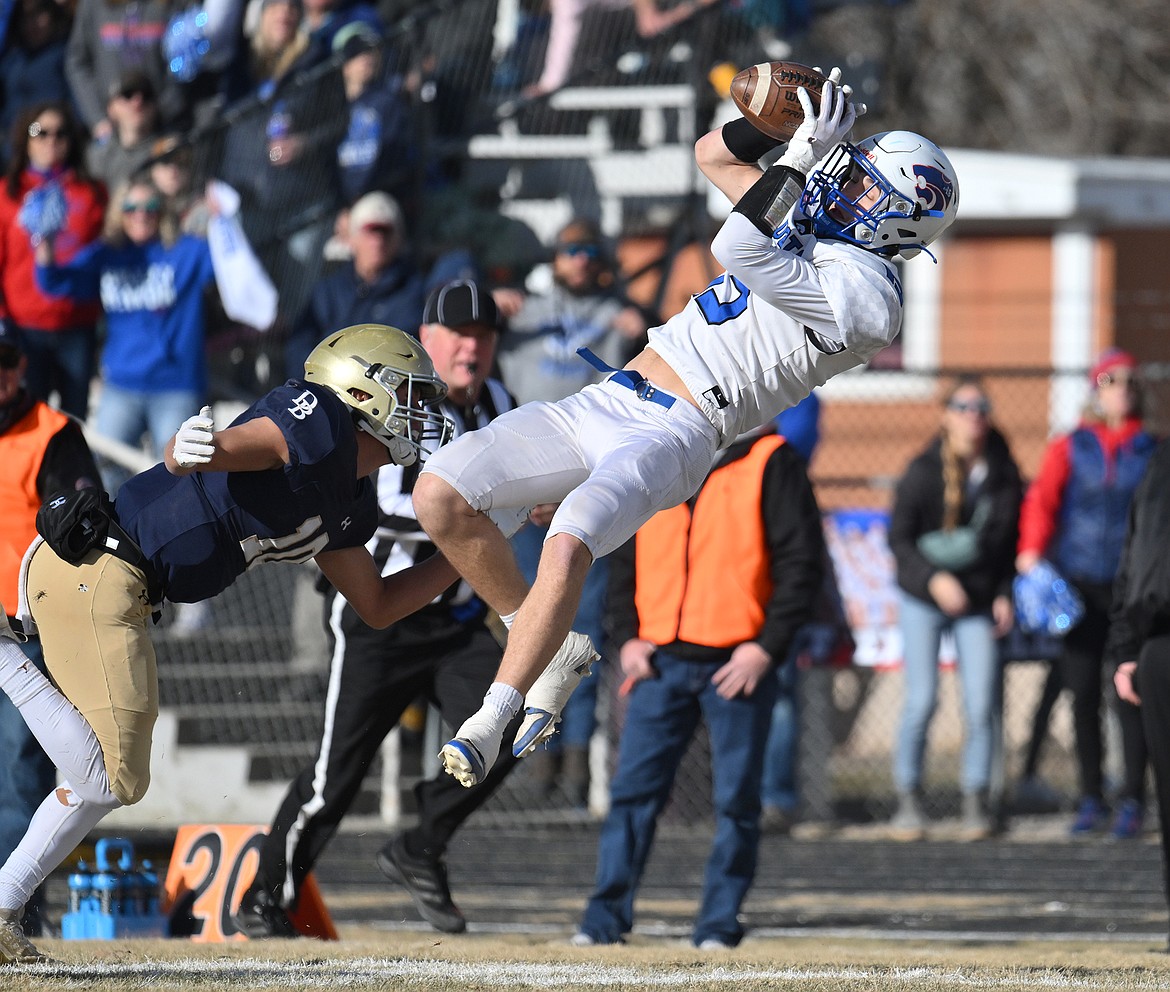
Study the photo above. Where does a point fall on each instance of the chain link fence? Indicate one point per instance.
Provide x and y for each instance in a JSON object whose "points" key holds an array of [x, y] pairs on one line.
{"points": [[495, 167]]}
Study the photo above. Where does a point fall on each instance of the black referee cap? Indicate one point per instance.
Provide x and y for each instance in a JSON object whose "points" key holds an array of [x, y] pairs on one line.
{"points": [[461, 302]]}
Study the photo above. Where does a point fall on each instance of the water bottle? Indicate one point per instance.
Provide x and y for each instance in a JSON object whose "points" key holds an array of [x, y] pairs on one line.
{"points": [[105, 887], [80, 887]]}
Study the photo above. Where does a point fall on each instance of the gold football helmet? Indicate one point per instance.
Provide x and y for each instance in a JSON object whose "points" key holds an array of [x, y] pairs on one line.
{"points": [[389, 381]]}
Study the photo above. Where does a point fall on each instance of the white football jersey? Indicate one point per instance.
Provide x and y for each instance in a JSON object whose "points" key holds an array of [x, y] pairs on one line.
{"points": [[787, 315]]}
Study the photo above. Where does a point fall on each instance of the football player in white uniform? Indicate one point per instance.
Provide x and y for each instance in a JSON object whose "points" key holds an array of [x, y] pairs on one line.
{"points": [[809, 291]]}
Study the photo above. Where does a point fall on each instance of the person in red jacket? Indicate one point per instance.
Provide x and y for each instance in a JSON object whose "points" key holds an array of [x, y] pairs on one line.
{"points": [[47, 147], [1074, 514]]}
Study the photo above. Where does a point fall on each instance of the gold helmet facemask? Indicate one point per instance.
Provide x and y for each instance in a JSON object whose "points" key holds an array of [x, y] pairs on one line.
{"points": [[386, 377]]}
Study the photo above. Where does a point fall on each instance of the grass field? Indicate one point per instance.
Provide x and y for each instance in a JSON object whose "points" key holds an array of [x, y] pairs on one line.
{"points": [[367, 960]]}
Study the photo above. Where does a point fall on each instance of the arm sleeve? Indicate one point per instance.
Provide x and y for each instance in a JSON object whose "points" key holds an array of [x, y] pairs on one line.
{"points": [[1041, 508], [79, 68], [622, 609], [914, 571], [79, 279], [796, 549], [1123, 642], [68, 463], [782, 278]]}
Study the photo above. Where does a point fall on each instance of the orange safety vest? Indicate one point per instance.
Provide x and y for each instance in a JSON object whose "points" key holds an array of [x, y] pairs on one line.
{"points": [[704, 575], [22, 450]]}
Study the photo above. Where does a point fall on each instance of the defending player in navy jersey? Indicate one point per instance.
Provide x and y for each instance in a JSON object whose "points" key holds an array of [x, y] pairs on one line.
{"points": [[809, 291], [287, 481]]}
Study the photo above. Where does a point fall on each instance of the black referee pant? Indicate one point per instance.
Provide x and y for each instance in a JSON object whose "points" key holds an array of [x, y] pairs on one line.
{"points": [[371, 683]]}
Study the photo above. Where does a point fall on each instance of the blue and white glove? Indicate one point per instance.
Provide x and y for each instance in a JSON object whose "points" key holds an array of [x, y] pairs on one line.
{"points": [[43, 212], [820, 131], [1046, 602], [193, 441]]}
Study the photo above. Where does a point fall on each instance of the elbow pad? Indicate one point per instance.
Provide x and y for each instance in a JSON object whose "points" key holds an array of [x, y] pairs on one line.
{"points": [[771, 197]]}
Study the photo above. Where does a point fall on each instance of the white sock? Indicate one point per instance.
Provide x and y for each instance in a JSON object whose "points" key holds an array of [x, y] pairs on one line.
{"points": [[508, 620], [503, 700], [65, 735], [60, 823]]}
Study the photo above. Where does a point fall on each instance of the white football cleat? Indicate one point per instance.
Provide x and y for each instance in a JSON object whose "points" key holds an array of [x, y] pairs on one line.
{"points": [[470, 754], [15, 947], [549, 693]]}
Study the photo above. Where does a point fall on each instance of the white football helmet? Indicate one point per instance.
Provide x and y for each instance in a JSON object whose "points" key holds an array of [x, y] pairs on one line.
{"points": [[918, 199], [389, 381]]}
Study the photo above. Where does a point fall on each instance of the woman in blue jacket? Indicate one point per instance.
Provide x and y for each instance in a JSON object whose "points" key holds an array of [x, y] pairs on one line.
{"points": [[151, 282]]}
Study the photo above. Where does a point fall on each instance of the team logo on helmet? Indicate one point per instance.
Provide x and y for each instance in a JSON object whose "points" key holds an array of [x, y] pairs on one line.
{"points": [[933, 187]]}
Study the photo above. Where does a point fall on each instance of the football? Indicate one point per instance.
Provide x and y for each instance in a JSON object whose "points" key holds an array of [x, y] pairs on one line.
{"points": [[766, 95]]}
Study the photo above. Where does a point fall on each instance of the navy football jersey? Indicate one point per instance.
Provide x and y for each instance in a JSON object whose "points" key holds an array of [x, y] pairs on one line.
{"points": [[203, 530]]}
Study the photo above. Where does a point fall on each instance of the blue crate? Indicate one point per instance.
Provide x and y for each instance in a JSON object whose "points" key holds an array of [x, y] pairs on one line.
{"points": [[116, 900]]}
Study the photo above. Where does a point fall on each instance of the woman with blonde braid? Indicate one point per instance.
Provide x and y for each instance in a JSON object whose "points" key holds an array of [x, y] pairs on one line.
{"points": [[953, 534]]}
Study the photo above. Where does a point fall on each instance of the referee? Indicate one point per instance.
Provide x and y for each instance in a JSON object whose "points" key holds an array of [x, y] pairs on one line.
{"points": [[444, 653]]}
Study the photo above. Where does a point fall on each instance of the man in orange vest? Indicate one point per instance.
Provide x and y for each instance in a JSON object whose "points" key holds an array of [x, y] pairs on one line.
{"points": [[41, 450], [705, 601]]}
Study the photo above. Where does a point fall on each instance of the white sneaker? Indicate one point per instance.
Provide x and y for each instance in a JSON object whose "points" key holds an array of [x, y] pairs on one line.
{"points": [[15, 947], [552, 689], [470, 754]]}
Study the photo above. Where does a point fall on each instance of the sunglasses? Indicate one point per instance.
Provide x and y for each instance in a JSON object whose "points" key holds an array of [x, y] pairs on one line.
{"points": [[573, 250], [132, 93], [1109, 378], [38, 130], [981, 407], [9, 359], [141, 207]]}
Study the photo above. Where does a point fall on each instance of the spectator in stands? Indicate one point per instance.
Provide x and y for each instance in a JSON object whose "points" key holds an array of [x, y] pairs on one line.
{"points": [[1074, 514], [276, 48], [171, 168], [325, 19], [378, 150], [1139, 630], [565, 30], [132, 110], [280, 153], [42, 451], [150, 280], [110, 38], [703, 612], [292, 472], [539, 361], [444, 653], [953, 535], [59, 335], [32, 66], [380, 284]]}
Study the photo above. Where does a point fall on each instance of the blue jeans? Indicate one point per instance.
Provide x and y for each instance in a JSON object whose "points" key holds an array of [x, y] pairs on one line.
{"points": [[127, 414], [26, 773], [61, 361], [660, 721], [779, 788], [579, 717], [922, 626]]}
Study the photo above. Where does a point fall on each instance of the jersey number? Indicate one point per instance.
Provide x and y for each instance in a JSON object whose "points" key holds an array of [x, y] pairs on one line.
{"points": [[717, 311], [306, 542]]}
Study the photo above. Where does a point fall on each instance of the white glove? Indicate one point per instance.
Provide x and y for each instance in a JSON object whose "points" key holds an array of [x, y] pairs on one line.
{"points": [[193, 443], [819, 132]]}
